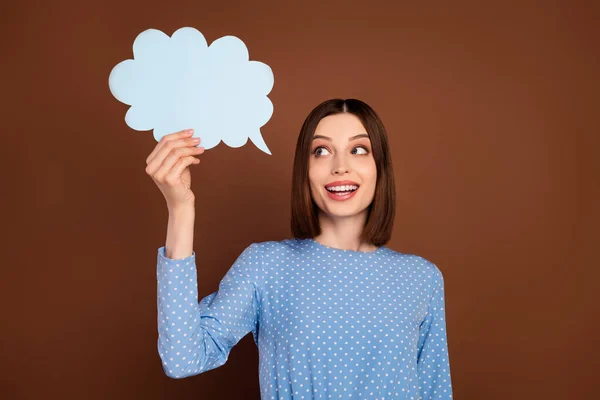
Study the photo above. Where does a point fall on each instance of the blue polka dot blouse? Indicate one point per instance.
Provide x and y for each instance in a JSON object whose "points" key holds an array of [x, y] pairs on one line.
{"points": [[329, 323]]}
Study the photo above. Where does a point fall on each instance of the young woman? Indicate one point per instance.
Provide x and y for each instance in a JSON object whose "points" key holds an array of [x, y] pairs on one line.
{"points": [[333, 311]]}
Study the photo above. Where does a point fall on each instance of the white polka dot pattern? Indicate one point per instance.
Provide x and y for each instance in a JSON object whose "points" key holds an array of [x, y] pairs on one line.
{"points": [[328, 323]]}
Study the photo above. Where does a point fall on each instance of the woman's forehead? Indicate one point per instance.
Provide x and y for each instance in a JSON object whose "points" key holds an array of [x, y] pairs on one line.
{"points": [[340, 126]]}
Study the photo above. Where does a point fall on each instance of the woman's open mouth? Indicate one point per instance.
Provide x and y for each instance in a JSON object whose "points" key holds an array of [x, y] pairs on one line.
{"points": [[339, 193]]}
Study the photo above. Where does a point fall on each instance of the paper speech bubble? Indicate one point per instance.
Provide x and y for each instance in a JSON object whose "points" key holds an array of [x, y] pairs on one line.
{"points": [[179, 82]]}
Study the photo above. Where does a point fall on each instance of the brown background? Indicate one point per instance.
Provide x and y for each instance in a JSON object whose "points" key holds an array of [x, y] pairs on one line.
{"points": [[492, 113]]}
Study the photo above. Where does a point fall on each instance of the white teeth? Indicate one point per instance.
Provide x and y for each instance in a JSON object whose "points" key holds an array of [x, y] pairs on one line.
{"points": [[345, 188]]}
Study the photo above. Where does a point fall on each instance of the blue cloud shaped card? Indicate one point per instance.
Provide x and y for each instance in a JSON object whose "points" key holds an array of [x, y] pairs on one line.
{"points": [[179, 82]]}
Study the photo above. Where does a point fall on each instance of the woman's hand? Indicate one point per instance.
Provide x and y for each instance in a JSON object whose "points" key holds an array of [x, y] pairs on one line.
{"points": [[168, 166]]}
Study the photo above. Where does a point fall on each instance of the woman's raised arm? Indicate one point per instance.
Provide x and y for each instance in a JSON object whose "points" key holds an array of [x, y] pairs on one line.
{"points": [[197, 337]]}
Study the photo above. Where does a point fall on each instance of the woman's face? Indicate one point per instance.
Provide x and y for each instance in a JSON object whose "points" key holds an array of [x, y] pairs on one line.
{"points": [[341, 160]]}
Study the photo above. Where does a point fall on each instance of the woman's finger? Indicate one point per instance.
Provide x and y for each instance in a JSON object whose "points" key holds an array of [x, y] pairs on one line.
{"points": [[174, 156], [174, 175], [167, 138], [170, 152]]}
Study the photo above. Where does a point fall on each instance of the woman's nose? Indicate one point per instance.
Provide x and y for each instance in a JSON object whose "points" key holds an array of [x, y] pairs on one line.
{"points": [[340, 170], [340, 165]]}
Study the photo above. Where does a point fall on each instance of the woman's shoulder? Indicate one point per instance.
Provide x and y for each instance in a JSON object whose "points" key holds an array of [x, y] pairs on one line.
{"points": [[278, 248], [414, 263]]}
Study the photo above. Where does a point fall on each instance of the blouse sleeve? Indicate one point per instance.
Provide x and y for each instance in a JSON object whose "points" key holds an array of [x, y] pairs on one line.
{"points": [[197, 337], [432, 357]]}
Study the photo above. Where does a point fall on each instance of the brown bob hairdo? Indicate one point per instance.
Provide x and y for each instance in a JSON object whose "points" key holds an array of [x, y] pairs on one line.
{"points": [[380, 218]]}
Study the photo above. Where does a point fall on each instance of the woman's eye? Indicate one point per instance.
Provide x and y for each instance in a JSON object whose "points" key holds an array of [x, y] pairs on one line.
{"points": [[316, 152], [362, 148]]}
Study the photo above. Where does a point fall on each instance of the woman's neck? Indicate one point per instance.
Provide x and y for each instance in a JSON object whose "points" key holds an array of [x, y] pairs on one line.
{"points": [[343, 232]]}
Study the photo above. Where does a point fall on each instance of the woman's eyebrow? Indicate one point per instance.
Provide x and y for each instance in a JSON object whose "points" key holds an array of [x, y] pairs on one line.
{"points": [[349, 139]]}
